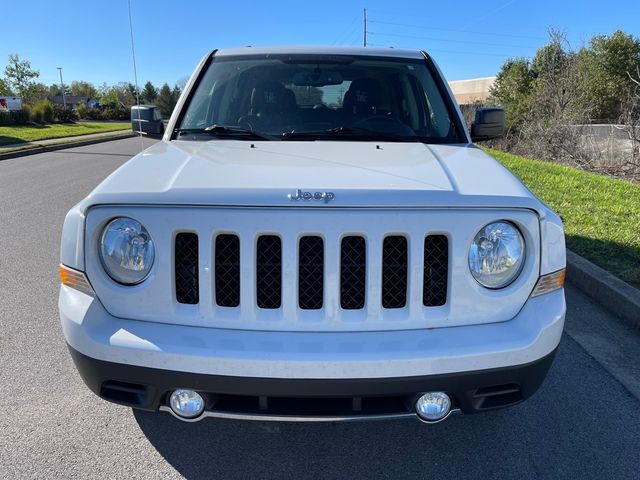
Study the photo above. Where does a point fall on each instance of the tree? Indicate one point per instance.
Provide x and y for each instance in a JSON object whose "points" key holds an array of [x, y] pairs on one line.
{"points": [[166, 100], [130, 93], [54, 90], [182, 83], [4, 87], [512, 90], [81, 88], [121, 95], [605, 65], [149, 93], [19, 75], [175, 93], [38, 91]]}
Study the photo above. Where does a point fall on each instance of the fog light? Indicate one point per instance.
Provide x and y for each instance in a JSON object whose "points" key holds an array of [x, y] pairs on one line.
{"points": [[186, 403], [433, 406]]}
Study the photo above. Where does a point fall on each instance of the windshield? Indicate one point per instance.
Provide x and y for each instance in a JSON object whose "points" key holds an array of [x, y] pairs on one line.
{"points": [[318, 97]]}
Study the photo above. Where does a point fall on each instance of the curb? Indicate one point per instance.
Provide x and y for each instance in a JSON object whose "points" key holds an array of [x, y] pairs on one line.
{"points": [[62, 145], [605, 288]]}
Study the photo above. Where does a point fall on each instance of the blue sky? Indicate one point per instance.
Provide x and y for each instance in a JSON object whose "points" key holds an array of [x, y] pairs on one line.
{"points": [[468, 38]]}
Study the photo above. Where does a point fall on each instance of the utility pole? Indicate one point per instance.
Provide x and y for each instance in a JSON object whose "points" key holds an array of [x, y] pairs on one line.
{"points": [[64, 100], [364, 39]]}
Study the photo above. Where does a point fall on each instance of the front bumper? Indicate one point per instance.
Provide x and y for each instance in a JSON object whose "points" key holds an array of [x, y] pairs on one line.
{"points": [[485, 366], [310, 399]]}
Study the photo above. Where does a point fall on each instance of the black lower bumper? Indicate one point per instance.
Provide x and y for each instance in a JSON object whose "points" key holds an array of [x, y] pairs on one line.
{"points": [[474, 391]]}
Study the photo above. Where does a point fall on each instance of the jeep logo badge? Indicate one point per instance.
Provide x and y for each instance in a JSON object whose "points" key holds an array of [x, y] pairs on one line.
{"points": [[320, 196]]}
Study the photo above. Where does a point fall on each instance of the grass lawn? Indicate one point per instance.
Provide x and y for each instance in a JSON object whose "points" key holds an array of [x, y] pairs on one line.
{"points": [[29, 133], [601, 215]]}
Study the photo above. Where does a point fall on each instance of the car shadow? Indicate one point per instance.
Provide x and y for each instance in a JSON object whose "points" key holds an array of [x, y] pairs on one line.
{"points": [[551, 433]]}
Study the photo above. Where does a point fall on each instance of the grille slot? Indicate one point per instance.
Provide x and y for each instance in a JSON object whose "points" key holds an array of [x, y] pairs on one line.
{"points": [[227, 270], [186, 268], [436, 267], [311, 273], [394, 272], [269, 271], [353, 272]]}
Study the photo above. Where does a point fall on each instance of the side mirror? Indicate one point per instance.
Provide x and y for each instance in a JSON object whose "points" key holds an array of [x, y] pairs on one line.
{"points": [[488, 124]]}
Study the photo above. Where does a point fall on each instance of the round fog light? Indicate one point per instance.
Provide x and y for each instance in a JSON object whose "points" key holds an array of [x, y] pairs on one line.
{"points": [[186, 403], [433, 406]]}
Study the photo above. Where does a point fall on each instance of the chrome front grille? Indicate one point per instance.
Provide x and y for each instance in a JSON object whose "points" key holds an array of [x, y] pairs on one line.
{"points": [[311, 281]]}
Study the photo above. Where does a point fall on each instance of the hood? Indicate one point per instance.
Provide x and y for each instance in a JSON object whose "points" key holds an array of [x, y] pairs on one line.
{"points": [[357, 174]]}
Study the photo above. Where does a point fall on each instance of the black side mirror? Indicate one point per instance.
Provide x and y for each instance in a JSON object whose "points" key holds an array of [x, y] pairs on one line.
{"points": [[488, 124]]}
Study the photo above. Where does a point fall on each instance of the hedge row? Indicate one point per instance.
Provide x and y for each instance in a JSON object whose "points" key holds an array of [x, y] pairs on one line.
{"points": [[45, 112]]}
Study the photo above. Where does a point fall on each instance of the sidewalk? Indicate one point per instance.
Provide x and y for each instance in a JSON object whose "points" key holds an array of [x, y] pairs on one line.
{"points": [[43, 144]]}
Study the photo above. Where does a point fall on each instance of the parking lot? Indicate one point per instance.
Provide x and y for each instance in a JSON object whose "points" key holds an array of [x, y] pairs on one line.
{"points": [[583, 423]]}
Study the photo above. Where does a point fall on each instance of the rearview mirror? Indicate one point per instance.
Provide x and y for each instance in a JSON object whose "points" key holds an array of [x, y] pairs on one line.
{"points": [[317, 79], [488, 124]]}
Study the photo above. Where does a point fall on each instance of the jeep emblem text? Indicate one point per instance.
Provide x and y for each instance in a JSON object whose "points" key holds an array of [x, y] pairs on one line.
{"points": [[300, 195]]}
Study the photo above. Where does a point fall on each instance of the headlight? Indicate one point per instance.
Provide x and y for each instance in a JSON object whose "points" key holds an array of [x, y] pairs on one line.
{"points": [[496, 255], [126, 250]]}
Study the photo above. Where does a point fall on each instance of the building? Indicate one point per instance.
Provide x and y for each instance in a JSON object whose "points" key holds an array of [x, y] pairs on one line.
{"points": [[73, 101], [471, 91]]}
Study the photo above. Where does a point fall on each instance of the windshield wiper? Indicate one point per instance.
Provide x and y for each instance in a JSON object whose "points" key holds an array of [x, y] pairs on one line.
{"points": [[226, 130], [350, 131]]}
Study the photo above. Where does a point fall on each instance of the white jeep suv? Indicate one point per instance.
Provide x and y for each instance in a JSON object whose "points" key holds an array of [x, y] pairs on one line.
{"points": [[314, 238]]}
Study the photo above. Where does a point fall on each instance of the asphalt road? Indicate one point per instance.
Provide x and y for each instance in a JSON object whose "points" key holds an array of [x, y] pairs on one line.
{"points": [[583, 423]]}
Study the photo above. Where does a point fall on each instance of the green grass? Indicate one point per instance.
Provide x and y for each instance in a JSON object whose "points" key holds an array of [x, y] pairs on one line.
{"points": [[29, 133], [601, 214]]}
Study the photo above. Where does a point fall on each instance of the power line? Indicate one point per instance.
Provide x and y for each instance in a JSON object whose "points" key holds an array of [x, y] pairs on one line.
{"points": [[435, 39], [457, 52], [489, 13], [425, 27], [348, 33]]}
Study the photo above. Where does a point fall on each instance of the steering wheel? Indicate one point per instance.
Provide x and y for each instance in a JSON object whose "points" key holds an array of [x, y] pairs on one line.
{"points": [[385, 125], [377, 119]]}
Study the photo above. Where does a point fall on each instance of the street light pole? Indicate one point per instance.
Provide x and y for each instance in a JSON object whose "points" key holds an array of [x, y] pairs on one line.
{"points": [[64, 101]]}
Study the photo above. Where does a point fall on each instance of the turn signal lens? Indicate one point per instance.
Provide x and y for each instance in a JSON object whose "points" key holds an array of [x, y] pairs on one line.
{"points": [[549, 282], [75, 279]]}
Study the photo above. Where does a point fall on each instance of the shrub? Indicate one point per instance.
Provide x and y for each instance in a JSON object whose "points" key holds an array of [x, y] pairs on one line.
{"points": [[81, 110], [93, 114], [14, 117], [20, 116], [64, 115], [42, 112], [115, 114]]}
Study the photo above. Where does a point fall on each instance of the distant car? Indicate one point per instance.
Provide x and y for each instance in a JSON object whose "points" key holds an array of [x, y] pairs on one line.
{"points": [[315, 238], [147, 119]]}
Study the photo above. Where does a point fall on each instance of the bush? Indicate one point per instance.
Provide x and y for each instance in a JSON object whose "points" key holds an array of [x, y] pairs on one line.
{"points": [[64, 115], [42, 112], [93, 114], [81, 110], [115, 114], [17, 117]]}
